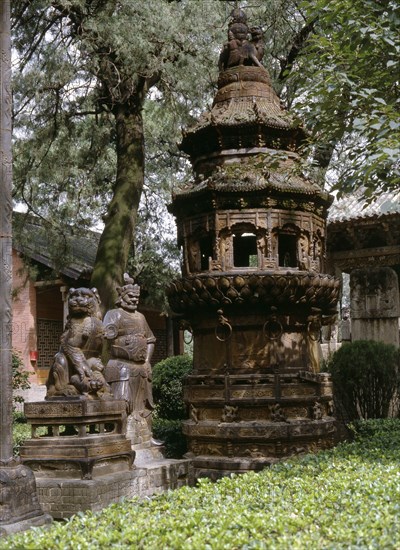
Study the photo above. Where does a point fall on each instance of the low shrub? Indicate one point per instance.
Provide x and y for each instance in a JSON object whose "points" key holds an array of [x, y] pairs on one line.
{"points": [[170, 431], [20, 380], [21, 431], [366, 379], [168, 378], [347, 497]]}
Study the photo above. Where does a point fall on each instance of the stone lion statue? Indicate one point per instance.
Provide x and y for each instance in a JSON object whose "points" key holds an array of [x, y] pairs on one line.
{"points": [[77, 367]]}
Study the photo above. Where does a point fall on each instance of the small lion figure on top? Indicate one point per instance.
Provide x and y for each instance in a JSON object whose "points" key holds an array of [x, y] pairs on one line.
{"points": [[77, 368]]}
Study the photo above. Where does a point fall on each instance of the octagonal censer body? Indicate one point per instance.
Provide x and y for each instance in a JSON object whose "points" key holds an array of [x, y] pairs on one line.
{"points": [[253, 293]]}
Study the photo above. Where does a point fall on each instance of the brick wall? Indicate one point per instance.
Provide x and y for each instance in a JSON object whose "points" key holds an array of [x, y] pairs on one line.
{"points": [[49, 327], [24, 314]]}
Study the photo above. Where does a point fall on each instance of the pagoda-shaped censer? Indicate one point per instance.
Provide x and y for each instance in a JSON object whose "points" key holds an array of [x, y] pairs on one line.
{"points": [[253, 292]]}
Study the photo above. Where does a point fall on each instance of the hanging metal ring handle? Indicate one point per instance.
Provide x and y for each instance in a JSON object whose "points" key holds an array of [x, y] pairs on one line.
{"points": [[219, 328], [272, 329], [186, 327], [185, 338], [222, 324]]}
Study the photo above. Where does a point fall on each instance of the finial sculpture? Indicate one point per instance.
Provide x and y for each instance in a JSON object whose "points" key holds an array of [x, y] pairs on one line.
{"points": [[239, 50]]}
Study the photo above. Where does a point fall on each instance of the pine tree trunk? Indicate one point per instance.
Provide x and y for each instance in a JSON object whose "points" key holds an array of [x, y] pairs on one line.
{"points": [[118, 233]]}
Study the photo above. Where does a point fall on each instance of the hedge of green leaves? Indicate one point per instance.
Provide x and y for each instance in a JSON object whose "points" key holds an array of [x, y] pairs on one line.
{"points": [[168, 376], [348, 497], [366, 379], [21, 431]]}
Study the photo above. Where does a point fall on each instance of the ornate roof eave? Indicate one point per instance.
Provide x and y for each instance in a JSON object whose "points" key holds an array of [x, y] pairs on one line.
{"points": [[208, 198], [212, 138], [246, 108], [240, 187]]}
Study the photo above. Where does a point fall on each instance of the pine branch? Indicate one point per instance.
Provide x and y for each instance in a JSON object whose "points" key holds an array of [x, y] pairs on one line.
{"points": [[298, 44]]}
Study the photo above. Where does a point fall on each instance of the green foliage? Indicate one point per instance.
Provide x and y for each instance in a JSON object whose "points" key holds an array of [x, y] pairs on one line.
{"points": [[366, 378], [20, 379], [168, 378], [79, 62], [170, 432], [376, 429], [21, 431], [350, 89], [343, 498], [170, 410]]}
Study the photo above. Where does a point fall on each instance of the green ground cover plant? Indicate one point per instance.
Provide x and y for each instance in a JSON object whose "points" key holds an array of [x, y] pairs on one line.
{"points": [[348, 497]]}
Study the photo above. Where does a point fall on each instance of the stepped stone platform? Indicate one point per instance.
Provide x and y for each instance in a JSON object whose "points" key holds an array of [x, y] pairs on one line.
{"points": [[61, 498], [85, 461]]}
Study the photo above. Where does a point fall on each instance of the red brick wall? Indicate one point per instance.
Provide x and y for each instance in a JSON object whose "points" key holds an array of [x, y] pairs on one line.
{"points": [[49, 311], [24, 314]]}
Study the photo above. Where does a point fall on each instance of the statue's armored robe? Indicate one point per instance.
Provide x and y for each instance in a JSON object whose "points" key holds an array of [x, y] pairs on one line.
{"points": [[128, 370]]}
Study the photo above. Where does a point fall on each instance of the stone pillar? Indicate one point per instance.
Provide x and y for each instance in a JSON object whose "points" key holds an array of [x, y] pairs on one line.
{"points": [[375, 308], [5, 239], [19, 506]]}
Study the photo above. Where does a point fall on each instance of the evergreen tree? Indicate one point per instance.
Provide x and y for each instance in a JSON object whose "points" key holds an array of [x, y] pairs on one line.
{"points": [[93, 79], [85, 71], [348, 84], [96, 80]]}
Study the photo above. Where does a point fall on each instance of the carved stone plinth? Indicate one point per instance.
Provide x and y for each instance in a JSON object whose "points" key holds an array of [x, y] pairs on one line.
{"points": [[19, 504], [84, 439], [63, 498], [247, 422]]}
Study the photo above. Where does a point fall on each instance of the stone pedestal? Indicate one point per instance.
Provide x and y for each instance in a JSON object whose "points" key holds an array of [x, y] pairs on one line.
{"points": [[19, 504], [269, 417], [138, 430], [86, 461], [64, 497], [85, 439], [375, 305]]}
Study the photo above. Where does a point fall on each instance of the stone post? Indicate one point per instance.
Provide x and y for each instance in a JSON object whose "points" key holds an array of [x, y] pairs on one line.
{"points": [[19, 506], [375, 305], [5, 240]]}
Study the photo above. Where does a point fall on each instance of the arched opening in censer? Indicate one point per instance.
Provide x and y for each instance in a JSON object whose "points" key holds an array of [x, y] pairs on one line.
{"points": [[206, 252], [287, 249], [245, 250]]}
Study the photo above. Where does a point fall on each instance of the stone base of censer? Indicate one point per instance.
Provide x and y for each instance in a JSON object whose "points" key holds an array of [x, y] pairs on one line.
{"points": [[255, 395], [85, 438], [268, 418]]}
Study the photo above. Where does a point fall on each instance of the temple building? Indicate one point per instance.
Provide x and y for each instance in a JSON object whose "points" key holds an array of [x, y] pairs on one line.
{"points": [[364, 242], [254, 291]]}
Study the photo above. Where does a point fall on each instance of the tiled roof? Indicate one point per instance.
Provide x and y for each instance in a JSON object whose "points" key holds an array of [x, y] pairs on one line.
{"points": [[34, 243], [354, 206], [279, 182], [246, 111]]}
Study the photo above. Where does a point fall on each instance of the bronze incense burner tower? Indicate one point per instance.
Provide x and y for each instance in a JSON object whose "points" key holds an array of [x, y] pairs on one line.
{"points": [[253, 292]]}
